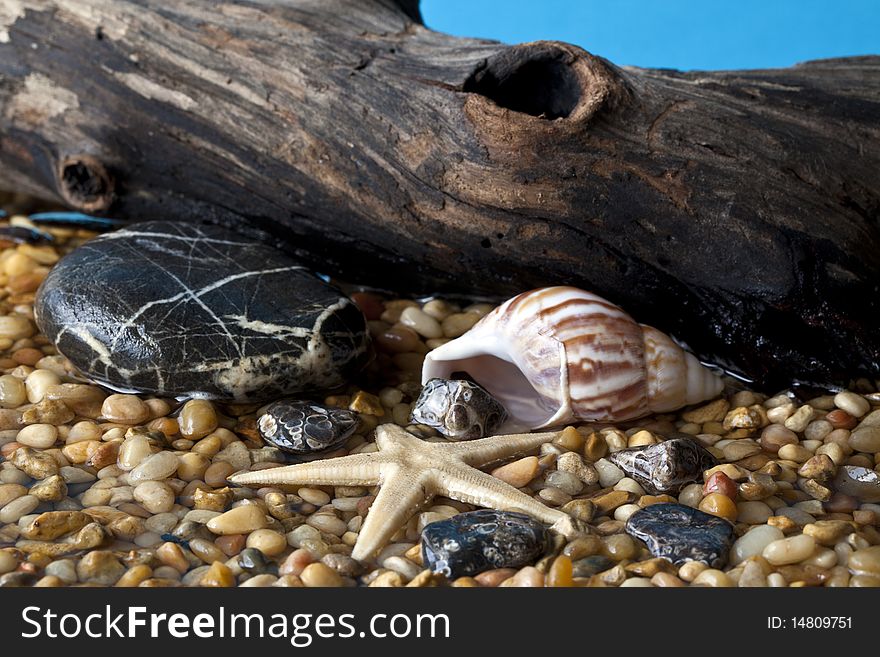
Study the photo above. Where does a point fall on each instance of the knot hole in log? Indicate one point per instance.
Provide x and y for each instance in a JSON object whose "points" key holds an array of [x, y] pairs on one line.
{"points": [[544, 79], [85, 184]]}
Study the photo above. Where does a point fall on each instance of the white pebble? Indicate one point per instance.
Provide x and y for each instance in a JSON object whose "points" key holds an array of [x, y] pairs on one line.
{"points": [[17, 508], [42, 436], [421, 322], [37, 382], [158, 466], [609, 474], [789, 550], [854, 404], [623, 513], [691, 495], [154, 496], [753, 542], [753, 513]]}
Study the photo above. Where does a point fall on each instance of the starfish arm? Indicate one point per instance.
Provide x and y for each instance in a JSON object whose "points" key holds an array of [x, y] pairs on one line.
{"points": [[401, 494], [475, 487], [352, 470], [495, 448]]}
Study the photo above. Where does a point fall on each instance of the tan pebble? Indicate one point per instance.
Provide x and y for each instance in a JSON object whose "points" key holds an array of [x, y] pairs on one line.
{"points": [[52, 524], [15, 327], [595, 447], [795, 453], [84, 400], [819, 467], [267, 541], [37, 382], [865, 561], [155, 496], [712, 577], [321, 575], [366, 404], [828, 532], [789, 550], [492, 578], [197, 419], [240, 520], [421, 322], [529, 577], [744, 418], [37, 465], [231, 544], [689, 570], [712, 412], [218, 575], [570, 439], [100, 567], [667, 580], [155, 467], [134, 576], [172, 555], [800, 418], [125, 409], [719, 505], [854, 404], [12, 391], [9, 492], [518, 473], [192, 466], [314, 496], [208, 446], [104, 454], [51, 489], [216, 473], [863, 439]]}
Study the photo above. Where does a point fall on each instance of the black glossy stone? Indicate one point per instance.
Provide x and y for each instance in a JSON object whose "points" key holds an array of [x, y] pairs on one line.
{"points": [[301, 427], [253, 561], [681, 533], [666, 467], [191, 310], [472, 542]]}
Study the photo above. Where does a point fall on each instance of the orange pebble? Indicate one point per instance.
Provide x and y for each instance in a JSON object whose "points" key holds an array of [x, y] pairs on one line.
{"points": [[719, 505], [560, 572]]}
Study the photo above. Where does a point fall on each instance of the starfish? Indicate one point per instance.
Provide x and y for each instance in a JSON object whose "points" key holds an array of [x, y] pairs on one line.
{"points": [[411, 471]]}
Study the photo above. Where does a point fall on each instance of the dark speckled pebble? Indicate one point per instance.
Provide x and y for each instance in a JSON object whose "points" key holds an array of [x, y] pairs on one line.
{"points": [[253, 561], [666, 467], [681, 533], [473, 542], [589, 566]]}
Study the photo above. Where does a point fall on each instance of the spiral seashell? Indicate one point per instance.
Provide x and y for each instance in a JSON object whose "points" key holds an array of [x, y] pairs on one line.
{"points": [[560, 354]]}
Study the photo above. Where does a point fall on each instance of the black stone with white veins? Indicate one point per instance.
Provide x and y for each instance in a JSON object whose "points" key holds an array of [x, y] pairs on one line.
{"points": [[476, 541], [681, 533], [185, 310]]}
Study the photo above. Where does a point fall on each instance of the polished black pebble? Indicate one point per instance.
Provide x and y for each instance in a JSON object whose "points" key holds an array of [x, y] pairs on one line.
{"points": [[180, 309], [458, 409], [472, 542], [665, 468], [301, 427], [589, 566], [681, 533]]}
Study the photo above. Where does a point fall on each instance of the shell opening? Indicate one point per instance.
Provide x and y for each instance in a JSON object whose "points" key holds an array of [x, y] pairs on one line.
{"points": [[503, 380]]}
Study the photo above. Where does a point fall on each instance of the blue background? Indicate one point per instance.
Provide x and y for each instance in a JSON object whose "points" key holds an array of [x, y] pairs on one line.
{"points": [[684, 34]]}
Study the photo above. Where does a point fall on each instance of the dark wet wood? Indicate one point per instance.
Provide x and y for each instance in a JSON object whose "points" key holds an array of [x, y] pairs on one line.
{"points": [[735, 210]]}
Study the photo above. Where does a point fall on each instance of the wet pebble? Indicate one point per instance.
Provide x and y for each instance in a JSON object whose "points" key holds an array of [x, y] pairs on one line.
{"points": [[473, 542], [665, 467], [680, 533]]}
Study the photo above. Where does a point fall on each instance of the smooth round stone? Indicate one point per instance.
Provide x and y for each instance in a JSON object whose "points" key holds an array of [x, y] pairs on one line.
{"points": [[665, 467], [753, 542], [182, 309], [789, 550], [681, 533], [470, 543]]}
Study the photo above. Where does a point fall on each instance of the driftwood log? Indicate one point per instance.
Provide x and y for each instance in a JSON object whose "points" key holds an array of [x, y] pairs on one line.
{"points": [[735, 210]]}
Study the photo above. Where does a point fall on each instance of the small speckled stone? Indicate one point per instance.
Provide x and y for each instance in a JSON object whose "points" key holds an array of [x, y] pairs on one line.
{"points": [[183, 308], [665, 467], [680, 533], [472, 542], [305, 427]]}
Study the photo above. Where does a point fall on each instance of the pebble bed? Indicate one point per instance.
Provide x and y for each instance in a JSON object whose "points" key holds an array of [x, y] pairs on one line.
{"points": [[104, 489]]}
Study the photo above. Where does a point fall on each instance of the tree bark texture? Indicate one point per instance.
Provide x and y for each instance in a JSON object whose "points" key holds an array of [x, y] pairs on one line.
{"points": [[735, 210]]}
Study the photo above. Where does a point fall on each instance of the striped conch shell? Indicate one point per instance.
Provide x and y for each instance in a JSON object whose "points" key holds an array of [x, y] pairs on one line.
{"points": [[560, 354]]}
